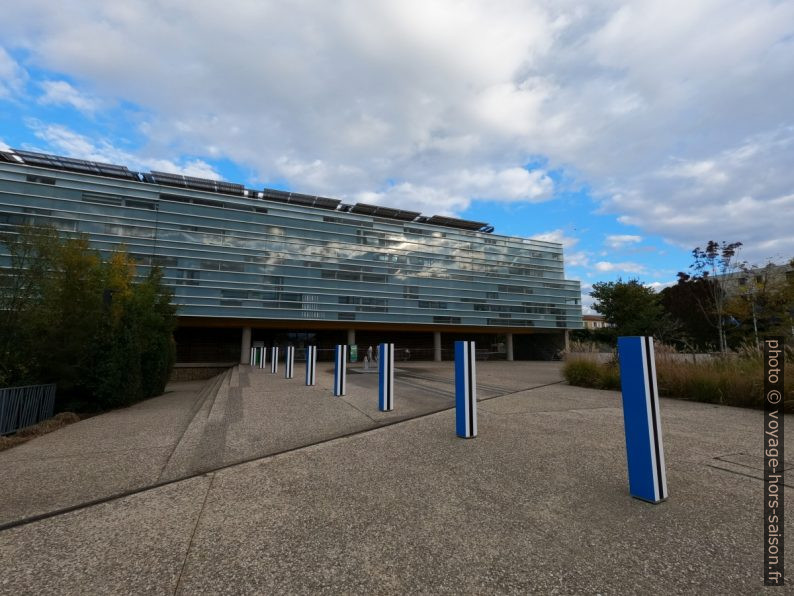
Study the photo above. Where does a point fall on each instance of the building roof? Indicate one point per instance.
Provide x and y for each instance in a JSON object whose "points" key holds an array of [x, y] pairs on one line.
{"points": [[69, 164]]}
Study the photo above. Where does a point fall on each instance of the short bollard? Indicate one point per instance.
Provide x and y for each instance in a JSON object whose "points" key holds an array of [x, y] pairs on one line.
{"points": [[465, 390], [340, 370], [644, 450], [289, 362], [274, 360], [311, 365], [386, 378]]}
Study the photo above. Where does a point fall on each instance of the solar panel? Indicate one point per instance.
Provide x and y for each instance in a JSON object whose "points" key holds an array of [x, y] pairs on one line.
{"points": [[364, 209], [230, 188], [301, 199], [452, 222], [326, 203], [275, 195], [388, 212], [74, 165], [169, 179]]}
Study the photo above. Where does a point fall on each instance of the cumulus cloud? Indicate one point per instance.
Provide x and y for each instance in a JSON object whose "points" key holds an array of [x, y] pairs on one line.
{"points": [[677, 114], [12, 76], [623, 267], [618, 241], [557, 235], [62, 93], [68, 142]]}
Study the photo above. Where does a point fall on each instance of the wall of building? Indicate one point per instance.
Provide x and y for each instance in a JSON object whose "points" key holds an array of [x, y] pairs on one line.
{"points": [[238, 258]]}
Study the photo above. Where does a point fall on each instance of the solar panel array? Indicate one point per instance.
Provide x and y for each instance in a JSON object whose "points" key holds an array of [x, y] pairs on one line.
{"points": [[452, 222], [218, 186], [75, 165], [388, 212], [205, 184]]}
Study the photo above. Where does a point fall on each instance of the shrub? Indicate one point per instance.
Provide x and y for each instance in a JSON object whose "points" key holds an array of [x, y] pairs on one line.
{"points": [[733, 381], [83, 322], [588, 373]]}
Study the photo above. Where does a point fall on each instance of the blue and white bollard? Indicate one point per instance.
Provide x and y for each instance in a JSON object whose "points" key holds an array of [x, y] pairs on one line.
{"points": [[311, 365], [644, 450], [465, 390], [386, 377], [274, 360], [289, 362], [340, 370]]}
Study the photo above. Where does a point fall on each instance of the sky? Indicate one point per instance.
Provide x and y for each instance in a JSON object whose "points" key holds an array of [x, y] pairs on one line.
{"points": [[631, 132]]}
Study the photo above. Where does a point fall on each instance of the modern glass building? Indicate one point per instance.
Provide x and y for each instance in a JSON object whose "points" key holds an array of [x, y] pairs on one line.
{"points": [[277, 267]]}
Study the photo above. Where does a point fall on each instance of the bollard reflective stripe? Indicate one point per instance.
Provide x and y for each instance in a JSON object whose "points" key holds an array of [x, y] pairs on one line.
{"points": [[386, 377], [641, 420], [289, 362], [311, 365], [340, 370], [274, 360], [465, 389]]}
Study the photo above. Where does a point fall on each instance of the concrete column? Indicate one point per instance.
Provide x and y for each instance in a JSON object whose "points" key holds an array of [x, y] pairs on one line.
{"points": [[351, 337], [567, 341], [437, 346], [245, 349], [509, 346]]}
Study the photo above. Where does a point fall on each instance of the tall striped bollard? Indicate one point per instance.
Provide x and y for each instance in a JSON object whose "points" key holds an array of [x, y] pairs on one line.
{"points": [[311, 365], [340, 370], [386, 377], [252, 358], [644, 450], [274, 360], [465, 390], [262, 357], [289, 362]]}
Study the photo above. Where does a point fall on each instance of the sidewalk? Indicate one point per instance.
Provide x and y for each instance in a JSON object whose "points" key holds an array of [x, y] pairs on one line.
{"points": [[537, 503]]}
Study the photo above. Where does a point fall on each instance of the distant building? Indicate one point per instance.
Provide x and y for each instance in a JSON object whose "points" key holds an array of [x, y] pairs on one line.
{"points": [[594, 322]]}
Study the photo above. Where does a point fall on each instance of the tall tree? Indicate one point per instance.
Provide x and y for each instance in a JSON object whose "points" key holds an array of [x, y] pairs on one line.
{"points": [[716, 264], [680, 301]]}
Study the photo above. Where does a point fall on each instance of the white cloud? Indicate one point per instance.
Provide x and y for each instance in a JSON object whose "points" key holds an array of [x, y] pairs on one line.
{"points": [[62, 93], [72, 144], [557, 235], [623, 267], [12, 76], [618, 241], [4, 146], [676, 114], [658, 286]]}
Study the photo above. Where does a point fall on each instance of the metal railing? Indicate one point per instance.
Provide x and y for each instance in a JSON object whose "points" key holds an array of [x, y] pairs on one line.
{"points": [[25, 406]]}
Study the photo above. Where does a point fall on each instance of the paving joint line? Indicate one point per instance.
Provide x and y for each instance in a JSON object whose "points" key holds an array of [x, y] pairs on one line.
{"points": [[136, 491], [193, 534]]}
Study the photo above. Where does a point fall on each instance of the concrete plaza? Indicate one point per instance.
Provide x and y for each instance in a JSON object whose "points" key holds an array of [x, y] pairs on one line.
{"points": [[339, 497]]}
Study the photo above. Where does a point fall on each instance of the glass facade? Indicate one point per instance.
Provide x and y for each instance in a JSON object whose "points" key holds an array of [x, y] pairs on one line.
{"points": [[244, 257]]}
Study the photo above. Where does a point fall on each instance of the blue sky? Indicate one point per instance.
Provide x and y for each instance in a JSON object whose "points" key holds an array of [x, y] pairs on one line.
{"points": [[629, 131]]}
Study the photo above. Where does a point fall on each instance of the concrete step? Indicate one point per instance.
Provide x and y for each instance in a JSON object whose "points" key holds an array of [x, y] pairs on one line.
{"points": [[179, 464]]}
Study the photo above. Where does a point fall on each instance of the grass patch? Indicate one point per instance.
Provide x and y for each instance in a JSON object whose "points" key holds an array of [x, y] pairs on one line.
{"points": [[733, 381], [37, 430]]}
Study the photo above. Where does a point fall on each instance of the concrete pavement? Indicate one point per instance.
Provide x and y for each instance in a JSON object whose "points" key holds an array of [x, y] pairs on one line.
{"points": [[537, 503]]}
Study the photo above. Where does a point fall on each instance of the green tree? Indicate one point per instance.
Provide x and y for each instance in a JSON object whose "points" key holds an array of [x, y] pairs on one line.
{"points": [[88, 324], [680, 302], [715, 265], [632, 307]]}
